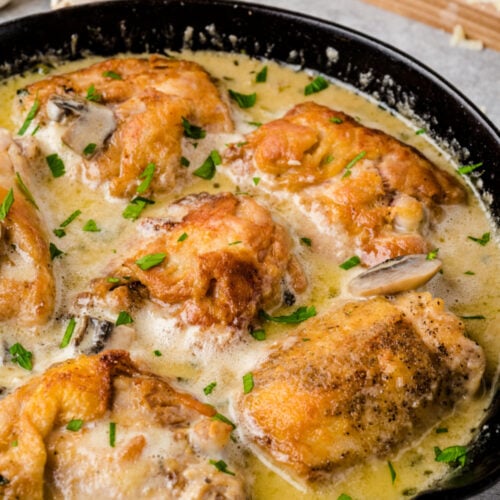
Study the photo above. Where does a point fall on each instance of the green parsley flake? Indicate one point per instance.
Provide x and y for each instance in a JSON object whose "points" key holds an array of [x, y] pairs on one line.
{"points": [[89, 149], [485, 238], [350, 263], [221, 466], [248, 383], [157, 353], [317, 85], [392, 471], [353, 162], [30, 116], [112, 74], [256, 181], [192, 131], [258, 334], [209, 388], [185, 162], [467, 169], [336, 120], [235, 243], [182, 237], [255, 124], [112, 434], [421, 131], [6, 204], [207, 169], [134, 209], [14, 443], [56, 165], [124, 318], [476, 316], [71, 218], [26, 192], [54, 251], [306, 241], [451, 455], [261, 76], [344, 496], [21, 356], [74, 425], [68, 333], [432, 254], [441, 430], [470, 273], [298, 316], [147, 175], [35, 130], [151, 260], [222, 418], [91, 226], [244, 101], [92, 94], [112, 279]]}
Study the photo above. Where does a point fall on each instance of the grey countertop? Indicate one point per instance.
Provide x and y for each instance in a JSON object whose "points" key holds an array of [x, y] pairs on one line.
{"points": [[475, 74]]}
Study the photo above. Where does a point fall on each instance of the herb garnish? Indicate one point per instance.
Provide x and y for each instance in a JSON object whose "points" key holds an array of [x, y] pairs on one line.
{"points": [[420, 131], [71, 218], [432, 254], [222, 418], [350, 263], [147, 175], [112, 434], [248, 383], [192, 131], [470, 273], [485, 238], [157, 353], [21, 356], [74, 425], [258, 334], [207, 169], [29, 117], [209, 388], [344, 496], [91, 226], [261, 76], [89, 149], [68, 333], [243, 100], [182, 237], [135, 207], [151, 260], [256, 180], [454, 455], [54, 251], [306, 241], [112, 74], [476, 316], [6, 204], [353, 162], [336, 120], [235, 243], [392, 471], [185, 162], [255, 124], [467, 169], [56, 165], [299, 315], [441, 430], [112, 279], [317, 85], [221, 466], [26, 192], [92, 94], [124, 318]]}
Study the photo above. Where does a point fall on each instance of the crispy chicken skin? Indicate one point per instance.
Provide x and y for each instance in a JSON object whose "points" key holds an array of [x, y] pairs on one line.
{"points": [[149, 98], [225, 258], [78, 464], [372, 376], [27, 288], [376, 188]]}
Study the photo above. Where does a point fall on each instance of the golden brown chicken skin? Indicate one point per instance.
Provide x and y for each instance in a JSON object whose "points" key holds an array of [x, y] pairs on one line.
{"points": [[131, 110], [163, 440], [371, 376], [224, 259], [376, 188], [27, 288]]}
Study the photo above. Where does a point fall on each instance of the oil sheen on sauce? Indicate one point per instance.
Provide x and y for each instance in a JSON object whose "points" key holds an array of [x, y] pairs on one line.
{"points": [[469, 283]]}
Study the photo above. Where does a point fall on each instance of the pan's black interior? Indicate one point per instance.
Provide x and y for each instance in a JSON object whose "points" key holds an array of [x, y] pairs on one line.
{"points": [[395, 79]]}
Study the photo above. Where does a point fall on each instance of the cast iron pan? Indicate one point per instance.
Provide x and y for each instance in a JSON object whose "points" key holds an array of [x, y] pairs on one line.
{"points": [[394, 78]]}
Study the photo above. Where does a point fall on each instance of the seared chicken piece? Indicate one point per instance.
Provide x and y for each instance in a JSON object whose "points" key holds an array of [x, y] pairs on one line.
{"points": [[27, 289], [224, 259], [371, 377], [376, 189], [131, 110], [164, 439]]}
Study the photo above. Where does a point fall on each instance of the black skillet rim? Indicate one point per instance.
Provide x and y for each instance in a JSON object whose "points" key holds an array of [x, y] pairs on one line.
{"points": [[109, 27]]}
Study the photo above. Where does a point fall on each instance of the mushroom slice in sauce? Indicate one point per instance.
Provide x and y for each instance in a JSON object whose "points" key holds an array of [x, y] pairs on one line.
{"points": [[93, 335], [395, 275], [93, 125]]}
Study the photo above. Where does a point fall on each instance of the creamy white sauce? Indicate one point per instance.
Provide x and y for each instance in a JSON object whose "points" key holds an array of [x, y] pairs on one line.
{"points": [[195, 358]]}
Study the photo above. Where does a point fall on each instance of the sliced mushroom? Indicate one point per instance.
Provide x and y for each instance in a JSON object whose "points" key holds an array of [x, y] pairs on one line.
{"points": [[92, 335], [395, 275], [93, 125]]}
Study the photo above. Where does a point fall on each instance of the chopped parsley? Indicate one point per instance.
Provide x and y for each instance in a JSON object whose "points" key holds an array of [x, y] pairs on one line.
{"points": [[29, 117], [60, 233], [157, 353], [209, 388], [112, 279], [192, 131], [91, 226], [432, 254], [92, 94], [54, 251], [89, 149], [185, 162], [124, 318], [74, 425], [261, 76], [112, 74], [134, 209], [317, 85], [467, 169], [353, 162], [306, 241], [336, 120], [470, 273], [248, 383], [344, 496], [207, 169], [112, 434], [56, 165], [421, 131], [255, 124], [256, 181], [441, 430], [21, 356], [244, 101], [6, 204], [26, 192], [71, 218], [235, 243], [221, 466], [477, 316], [485, 238], [392, 471], [68, 333], [453, 455], [298, 316], [151, 260], [35, 130], [147, 175], [222, 418], [182, 237], [258, 334], [350, 263]]}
